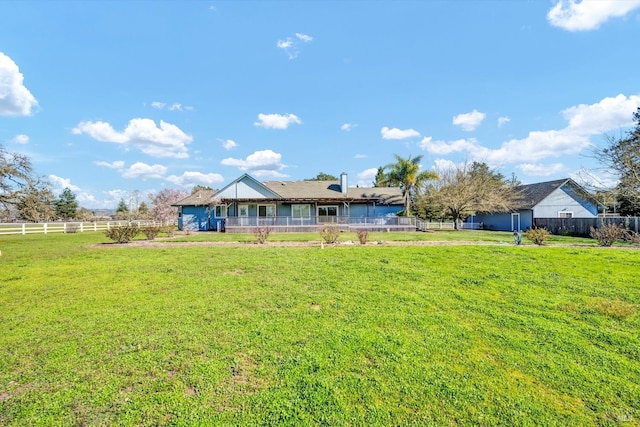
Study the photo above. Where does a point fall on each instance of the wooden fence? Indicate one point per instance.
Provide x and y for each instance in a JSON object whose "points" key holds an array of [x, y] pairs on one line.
{"points": [[582, 226], [65, 227]]}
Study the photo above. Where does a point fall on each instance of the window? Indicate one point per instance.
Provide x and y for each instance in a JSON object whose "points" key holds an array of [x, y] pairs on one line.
{"points": [[565, 214], [179, 211], [221, 211], [327, 211], [267, 210], [243, 210], [301, 211]]}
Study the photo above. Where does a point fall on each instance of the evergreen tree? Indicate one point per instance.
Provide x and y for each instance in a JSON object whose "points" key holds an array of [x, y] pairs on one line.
{"points": [[380, 178], [66, 205]]}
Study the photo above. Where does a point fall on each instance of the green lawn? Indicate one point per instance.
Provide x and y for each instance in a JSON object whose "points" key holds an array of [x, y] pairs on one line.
{"points": [[491, 334]]}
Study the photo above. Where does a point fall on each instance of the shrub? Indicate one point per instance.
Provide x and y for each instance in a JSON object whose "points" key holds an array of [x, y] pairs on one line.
{"points": [[330, 233], [261, 234], [632, 236], [607, 234], [151, 231], [122, 233], [537, 235], [363, 236]]}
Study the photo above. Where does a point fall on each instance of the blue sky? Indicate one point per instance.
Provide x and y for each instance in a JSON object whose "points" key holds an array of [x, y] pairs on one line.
{"points": [[109, 97]]}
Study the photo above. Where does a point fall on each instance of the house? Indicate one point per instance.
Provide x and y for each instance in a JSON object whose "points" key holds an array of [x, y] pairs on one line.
{"points": [[247, 203], [562, 198]]}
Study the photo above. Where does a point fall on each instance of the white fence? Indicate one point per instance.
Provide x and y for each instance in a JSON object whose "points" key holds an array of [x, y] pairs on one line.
{"points": [[65, 227], [446, 225]]}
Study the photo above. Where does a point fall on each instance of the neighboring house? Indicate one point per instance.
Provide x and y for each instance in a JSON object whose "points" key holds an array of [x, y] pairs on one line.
{"points": [[563, 198], [292, 206]]}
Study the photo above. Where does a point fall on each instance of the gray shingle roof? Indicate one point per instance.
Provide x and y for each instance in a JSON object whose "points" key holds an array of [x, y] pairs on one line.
{"points": [[199, 198], [532, 194], [330, 190]]}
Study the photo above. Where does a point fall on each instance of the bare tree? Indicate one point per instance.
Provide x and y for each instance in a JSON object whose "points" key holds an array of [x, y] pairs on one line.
{"points": [[622, 157], [36, 202], [15, 175], [467, 189]]}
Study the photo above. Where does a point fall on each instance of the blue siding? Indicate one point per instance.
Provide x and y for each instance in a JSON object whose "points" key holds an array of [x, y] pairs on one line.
{"points": [[194, 218]]}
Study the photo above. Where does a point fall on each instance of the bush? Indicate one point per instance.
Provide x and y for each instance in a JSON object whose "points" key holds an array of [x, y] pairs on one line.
{"points": [[122, 233], [330, 233], [632, 236], [151, 231], [363, 236], [261, 234], [607, 234], [537, 235]]}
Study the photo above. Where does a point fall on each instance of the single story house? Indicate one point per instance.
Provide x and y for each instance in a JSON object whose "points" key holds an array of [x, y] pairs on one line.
{"points": [[247, 203], [562, 198]]}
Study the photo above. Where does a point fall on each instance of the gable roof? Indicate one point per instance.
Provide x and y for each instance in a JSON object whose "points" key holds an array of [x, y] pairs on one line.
{"points": [[199, 198], [246, 187], [533, 194]]}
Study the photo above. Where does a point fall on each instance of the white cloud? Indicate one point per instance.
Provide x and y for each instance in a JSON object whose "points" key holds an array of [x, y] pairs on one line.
{"points": [[277, 121], [165, 141], [444, 165], [58, 184], [144, 171], [444, 148], [21, 139], [584, 121], [396, 133], [571, 15], [367, 177], [598, 180], [189, 179], [360, 156], [503, 121], [265, 160], [118, 164], [15, 98], [469, 121], [229, 144], [305, 38], [291, 45], [538, 169], [176, 106], [348, 127]]}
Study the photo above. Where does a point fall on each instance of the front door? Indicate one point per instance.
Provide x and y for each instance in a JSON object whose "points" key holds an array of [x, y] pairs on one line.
{"points": [[515, 222], [243, 213]]}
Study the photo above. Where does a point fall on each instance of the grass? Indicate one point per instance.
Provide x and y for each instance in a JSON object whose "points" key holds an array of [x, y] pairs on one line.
{"points": [[345, 335]]}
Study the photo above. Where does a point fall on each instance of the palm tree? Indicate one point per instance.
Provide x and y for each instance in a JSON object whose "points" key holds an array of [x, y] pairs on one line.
{"points": [[405, 173]]}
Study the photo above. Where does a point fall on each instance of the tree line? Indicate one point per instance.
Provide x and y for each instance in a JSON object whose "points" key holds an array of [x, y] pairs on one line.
{"points": [[25, 196]]}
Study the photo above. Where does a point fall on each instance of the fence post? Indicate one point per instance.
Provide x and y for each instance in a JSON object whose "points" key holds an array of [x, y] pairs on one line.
{"points": [[24, 228], [95, 226], [81, 227], [64, 227], [44, 228]]}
